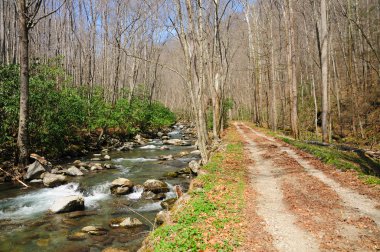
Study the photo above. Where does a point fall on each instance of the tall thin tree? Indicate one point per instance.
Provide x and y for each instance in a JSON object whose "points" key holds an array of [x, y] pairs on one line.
{"points": [[324, 71]]}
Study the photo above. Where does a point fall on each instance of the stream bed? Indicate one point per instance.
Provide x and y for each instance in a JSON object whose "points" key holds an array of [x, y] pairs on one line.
{"points": [[27, 225]]}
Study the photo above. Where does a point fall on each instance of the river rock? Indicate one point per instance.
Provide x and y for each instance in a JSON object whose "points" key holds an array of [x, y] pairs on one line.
{"points": [[130, 222], [127, 146], [84, 164], [155, 186], [177, 142], [140, 140], [52, 180], [109, 166], [164, 148], [121, 186], [153, 196], [93, 230], [185, 170], [194, 166], [171, 174], [162, 217], [77, 163], [196, 152], [83, 170], [168, 203], [36, 181], [73, 171], [183, 153], [165, 138], [165, 157], [172, 142], [160, 134], [107, 157], [68, 204], [115, 223], [95, 167], [78, 236], [34, 171], [56, 171]]}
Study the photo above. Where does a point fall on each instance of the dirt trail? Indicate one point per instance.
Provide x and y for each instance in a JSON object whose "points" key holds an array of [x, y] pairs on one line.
{"points": [[280, 222], [351, 199], [304, 210]]}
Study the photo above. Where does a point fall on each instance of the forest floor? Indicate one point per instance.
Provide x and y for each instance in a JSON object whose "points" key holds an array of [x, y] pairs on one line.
{"points": [[297, 203]]}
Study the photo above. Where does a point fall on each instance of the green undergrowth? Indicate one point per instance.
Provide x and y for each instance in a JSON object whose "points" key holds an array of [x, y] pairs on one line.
{"points": [[62, 117], [210, 219]]}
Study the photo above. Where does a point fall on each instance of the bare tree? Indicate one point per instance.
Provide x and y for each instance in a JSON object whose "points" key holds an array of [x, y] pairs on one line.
{"points": [[27, 17], [324, 72]]}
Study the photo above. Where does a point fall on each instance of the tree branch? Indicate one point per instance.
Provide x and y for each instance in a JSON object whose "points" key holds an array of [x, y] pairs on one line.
{"points": [[33, 22]]}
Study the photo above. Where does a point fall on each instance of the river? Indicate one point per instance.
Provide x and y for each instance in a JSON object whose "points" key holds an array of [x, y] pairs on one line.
{"points": [[27, 225]]}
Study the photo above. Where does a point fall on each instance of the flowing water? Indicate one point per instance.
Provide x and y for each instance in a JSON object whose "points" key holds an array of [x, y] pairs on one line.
{"points": [[26, 224]]}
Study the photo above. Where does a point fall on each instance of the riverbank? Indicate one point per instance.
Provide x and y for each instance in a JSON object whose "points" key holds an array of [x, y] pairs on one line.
{"points": [[211, 216], [101, 143]]}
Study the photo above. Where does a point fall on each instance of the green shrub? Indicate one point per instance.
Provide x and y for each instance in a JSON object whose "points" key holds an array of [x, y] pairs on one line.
{"points": [[57, 112]]}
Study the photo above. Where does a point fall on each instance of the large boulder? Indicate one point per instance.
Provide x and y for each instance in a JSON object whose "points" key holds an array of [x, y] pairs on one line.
{"points": [[53, 180], [121, 186], [34, 170], [68, 204], [155, 186], [73, 171]]}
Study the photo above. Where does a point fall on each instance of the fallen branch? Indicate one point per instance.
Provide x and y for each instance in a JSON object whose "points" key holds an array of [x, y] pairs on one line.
{"points": [[14, 177]]}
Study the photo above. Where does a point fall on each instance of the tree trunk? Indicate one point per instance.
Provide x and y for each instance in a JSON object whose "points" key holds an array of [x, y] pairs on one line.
{"points": [[292, 78], [324, 72], [23, 136]]}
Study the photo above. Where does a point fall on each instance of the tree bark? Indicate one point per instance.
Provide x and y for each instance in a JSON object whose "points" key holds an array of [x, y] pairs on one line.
{"points": [[23, 136], [291, 64], [324, 72]]}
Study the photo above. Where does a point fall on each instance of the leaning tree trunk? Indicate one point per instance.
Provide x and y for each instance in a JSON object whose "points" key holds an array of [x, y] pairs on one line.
{"points": [[23, 137]]}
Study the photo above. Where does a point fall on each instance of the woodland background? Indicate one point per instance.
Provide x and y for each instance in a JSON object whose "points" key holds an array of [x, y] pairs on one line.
{"points": [[253, 60]]}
